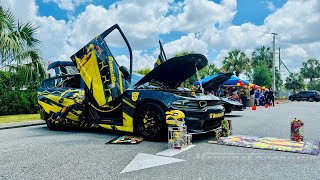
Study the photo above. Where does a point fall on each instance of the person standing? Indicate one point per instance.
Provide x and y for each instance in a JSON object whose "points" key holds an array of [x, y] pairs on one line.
{"points": [[257, 98], [266, 94], [271, 96], [252, 99], [243, 97]]}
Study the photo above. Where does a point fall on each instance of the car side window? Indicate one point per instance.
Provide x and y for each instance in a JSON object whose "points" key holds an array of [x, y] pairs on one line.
{"points": [[63, 81]]}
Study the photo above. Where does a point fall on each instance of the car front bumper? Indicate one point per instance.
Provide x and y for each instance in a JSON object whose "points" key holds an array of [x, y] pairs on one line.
{"points": [[203, 121], [237, 108]]}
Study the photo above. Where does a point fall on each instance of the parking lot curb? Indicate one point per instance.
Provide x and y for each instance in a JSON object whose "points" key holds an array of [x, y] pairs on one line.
{"points": [[21, 124]]}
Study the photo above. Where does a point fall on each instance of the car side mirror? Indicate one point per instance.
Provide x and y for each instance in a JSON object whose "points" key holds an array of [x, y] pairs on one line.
{"points": [[125, 72]]}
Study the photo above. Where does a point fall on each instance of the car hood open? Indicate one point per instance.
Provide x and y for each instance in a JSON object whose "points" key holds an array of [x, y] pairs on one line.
{"points": [[174, 71], [216, 82]]}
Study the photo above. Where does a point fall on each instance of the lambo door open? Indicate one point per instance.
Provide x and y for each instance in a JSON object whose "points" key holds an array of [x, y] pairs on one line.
{"points": [[105, 79]]}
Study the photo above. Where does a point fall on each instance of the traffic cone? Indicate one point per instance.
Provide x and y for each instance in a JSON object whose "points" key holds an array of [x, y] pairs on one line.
{"points": [[270, 104], [266, 106], [254, 108], [277, 102]]}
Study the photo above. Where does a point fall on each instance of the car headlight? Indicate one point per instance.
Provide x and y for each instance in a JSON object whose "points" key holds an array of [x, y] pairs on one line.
{"points": [[185, 104]]}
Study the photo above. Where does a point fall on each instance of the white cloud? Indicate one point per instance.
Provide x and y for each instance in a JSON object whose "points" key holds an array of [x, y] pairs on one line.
{"points": [[199, 15], [52, 33], [242, 37], [189, 43], [298, 21], [68, 4], [270, 6], [140, 60], [25, 10]]}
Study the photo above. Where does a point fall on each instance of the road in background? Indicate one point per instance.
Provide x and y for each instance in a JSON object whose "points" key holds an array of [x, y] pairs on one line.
{"points": [[38, 153]]}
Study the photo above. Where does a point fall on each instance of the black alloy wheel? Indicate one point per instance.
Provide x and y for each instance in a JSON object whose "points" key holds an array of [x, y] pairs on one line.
{"points": [[150, 121]]}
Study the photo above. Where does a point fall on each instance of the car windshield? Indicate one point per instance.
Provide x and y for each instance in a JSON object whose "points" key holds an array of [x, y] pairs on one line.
{"points": [[134, 79]]}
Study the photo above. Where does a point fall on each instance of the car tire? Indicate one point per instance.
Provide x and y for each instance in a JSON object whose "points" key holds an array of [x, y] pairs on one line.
{"points": [[311, 99], [291, 99], [149, 121], [53, 126]]}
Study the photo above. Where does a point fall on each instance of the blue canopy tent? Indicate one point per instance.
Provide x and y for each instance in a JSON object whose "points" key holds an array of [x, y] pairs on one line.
{"points": [[231, 82]]}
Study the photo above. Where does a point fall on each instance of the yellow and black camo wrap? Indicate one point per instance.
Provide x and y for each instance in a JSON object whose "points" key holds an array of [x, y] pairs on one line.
{"points": [[100, 71], [58, 100], [128, 107]]}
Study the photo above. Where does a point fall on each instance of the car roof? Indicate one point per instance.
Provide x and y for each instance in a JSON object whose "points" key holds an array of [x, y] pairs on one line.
{"points": [[60, 63]]}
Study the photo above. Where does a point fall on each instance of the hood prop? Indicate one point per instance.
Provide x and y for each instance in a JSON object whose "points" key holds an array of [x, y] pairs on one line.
{"points": [[199, 78]]}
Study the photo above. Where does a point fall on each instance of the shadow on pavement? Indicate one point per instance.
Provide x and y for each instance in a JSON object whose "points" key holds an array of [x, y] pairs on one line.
{"points": [[233, 115]]}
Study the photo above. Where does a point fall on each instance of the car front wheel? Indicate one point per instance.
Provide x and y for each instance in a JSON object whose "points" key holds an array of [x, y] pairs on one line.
{"points": [[150, 121], [311, 99]]}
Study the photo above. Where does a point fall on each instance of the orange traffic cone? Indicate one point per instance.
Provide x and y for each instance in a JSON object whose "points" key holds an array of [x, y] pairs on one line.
{"points": [[278, 102], [254, 108], [266, 106], [270, 104]]}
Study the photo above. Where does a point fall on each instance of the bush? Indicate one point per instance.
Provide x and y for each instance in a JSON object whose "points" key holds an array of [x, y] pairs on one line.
{"points": [[18, 102]]}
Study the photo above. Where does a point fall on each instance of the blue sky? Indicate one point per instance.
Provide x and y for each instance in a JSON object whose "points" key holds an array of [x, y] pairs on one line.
{"points": [[208, 27], [251, 11], [254, 11]]}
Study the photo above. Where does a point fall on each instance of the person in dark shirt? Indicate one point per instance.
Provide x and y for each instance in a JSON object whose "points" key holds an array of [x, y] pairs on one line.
{"points": [[266, 96], [271, 96], [244, 97]]}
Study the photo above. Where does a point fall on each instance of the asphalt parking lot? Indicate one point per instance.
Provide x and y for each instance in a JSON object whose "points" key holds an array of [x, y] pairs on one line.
{"points": [[38, 153]]}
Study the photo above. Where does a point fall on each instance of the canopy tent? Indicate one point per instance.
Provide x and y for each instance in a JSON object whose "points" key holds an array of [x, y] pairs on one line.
{"points": [[231, 82]]}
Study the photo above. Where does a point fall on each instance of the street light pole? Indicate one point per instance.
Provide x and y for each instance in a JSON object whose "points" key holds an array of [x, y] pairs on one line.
{"points": [[280, 74], [273, 62]]}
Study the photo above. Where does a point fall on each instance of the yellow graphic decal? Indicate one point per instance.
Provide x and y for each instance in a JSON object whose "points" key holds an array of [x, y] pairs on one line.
{"points": [[89, 71], [120, 81], [135, 96], [131, 105], [214, 115], [127, 124], [112, 76]]}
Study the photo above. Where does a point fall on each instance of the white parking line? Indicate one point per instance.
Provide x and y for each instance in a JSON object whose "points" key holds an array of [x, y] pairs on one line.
{"points": [[143, 161]]}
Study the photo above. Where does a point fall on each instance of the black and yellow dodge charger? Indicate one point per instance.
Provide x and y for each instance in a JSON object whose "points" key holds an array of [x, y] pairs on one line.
{"points": [[94, 90]]}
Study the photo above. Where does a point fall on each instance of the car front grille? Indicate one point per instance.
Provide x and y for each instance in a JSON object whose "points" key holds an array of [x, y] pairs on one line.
{"points": [[211, 124]]}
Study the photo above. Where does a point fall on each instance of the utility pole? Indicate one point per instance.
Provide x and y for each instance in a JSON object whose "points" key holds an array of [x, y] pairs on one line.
{"points": [[273, 62], [280, 74]]}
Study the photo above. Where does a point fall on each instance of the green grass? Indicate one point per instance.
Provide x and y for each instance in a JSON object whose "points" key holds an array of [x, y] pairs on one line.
{"points": [[19, 118]]}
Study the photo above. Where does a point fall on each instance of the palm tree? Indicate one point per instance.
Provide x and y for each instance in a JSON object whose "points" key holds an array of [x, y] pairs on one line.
{"points": [[144, 71], [182, 53], [262, 54], [294, 82], [311, 70], [19, 51], [236, 62]]}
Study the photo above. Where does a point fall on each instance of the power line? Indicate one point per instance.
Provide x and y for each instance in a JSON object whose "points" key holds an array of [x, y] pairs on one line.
{"points": [[285, 66]]}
